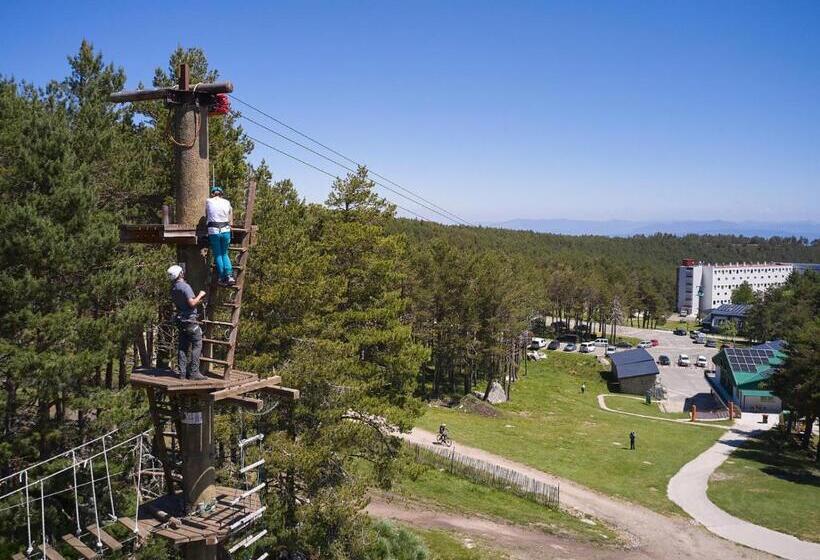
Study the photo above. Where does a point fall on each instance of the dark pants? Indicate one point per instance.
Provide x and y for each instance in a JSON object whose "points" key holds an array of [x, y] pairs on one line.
{"points": [[632, 443], [190, 335]]}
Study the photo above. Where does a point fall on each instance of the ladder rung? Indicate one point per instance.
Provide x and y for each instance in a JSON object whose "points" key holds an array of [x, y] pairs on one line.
{"points": [[106, 539], [169, 434], [220, 323], [78, 545], [214, 361], [252, 466], [215, 341], [229, 304], [238, 248]]}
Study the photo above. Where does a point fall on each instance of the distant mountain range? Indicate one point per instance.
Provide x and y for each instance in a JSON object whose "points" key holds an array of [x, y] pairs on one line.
{"points": [[627, 228]]}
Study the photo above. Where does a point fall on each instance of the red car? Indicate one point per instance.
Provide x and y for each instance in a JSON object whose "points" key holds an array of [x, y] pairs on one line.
{"points": [[654, 342]]}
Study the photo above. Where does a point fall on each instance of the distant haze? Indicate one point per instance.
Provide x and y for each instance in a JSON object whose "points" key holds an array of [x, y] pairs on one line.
{"points": [[627, 228]]}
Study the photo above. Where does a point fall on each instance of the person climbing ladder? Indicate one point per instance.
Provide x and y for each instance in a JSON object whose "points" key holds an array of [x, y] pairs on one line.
{"points": [[219, 215]]}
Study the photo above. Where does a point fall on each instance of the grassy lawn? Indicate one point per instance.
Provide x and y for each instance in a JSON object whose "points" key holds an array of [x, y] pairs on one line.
{"points": [[448, 546], [776, 487], [551, 426], [639, 406], [457, 494]]}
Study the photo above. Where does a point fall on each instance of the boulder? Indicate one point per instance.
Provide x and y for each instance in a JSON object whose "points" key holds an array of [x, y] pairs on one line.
{"points": [[497, 394]]}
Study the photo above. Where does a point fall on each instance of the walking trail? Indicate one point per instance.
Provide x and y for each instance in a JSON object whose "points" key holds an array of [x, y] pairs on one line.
{"points": [[602, 404], [650, 535], [688, 489]]}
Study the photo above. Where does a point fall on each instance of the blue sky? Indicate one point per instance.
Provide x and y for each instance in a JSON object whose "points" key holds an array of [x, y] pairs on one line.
{"points": [[500, 110]]}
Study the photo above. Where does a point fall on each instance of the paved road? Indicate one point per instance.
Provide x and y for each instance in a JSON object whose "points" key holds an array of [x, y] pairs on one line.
{"points": [[651, 535], [688, 489]]}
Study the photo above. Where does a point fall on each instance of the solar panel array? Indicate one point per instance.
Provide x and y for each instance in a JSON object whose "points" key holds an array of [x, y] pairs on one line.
{"points": [[747, 359]]}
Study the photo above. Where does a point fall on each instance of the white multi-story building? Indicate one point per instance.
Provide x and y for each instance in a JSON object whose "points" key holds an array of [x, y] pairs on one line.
{"points": [[702, 287]]}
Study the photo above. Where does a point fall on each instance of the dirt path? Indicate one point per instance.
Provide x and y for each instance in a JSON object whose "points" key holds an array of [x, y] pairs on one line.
{"points": [[651, 535], [520, 543]]}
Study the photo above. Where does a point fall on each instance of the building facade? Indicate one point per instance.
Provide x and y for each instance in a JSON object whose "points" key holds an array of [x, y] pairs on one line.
{"points": [[703, 287], [743, 373]]}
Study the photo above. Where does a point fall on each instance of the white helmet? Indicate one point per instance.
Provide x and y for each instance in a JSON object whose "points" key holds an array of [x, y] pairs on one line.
{"points": [[173, 272]]}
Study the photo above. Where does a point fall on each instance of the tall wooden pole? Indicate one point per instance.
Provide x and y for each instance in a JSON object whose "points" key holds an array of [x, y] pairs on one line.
{"points": [[191, 166]]}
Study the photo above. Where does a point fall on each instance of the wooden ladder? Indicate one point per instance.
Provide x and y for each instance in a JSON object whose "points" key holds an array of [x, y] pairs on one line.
{"points": [[219, 342], [165, 416]]}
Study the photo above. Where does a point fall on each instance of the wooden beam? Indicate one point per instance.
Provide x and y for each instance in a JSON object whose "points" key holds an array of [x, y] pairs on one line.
{"points": [[247, 388], [162, 93], [254, 405], [283, 392]]}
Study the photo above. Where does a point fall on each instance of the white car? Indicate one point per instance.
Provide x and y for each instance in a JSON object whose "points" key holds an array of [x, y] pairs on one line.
{"points": [[683, 360], [610, 350], [537, 343], [645, 344], [701, 362], [601, 342], [587, 347]]}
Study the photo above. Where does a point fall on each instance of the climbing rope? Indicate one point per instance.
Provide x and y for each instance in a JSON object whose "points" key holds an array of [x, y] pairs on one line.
{"points": [[176, 142], [30, 548], [139, 475], [43, 518], [108, 478], [76, 495], [94, 501]]}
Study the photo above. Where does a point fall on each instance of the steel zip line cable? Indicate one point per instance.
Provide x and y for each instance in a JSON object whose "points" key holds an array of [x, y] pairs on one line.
{"points": [[451, 216], [328, 173], [343, 166]]}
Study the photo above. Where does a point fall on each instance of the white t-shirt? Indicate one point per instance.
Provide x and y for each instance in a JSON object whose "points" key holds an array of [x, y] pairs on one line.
{"points": [[218, 209]]}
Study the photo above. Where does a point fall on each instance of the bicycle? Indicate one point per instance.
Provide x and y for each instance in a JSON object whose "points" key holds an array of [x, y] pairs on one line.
{"points": [[444, 439]]}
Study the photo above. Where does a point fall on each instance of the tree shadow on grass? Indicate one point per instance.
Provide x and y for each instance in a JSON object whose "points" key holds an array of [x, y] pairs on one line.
{"points": [[781, 461], [611, 384]]}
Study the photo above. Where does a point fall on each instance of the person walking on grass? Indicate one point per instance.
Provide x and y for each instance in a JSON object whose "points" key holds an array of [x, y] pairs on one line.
{"points": [[190, 333], [219, 215], [583, 388], [631, 440]]}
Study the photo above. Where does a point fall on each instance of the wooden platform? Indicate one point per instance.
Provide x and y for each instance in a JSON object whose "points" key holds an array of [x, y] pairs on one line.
{"points": [[176, 234], [213, 526], [239, 383]]}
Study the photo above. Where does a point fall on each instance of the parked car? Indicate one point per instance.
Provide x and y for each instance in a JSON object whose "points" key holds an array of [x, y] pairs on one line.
{"points": [[679, 332], [645, 344], [664, 360], [587, 347], [537, 343], [683, 360], [700, 338], [693, 334], [711, 343], [569, 338], [570, 347], [553, 345], [601, 342], [623, 344], [701, 362], [610, 350]]}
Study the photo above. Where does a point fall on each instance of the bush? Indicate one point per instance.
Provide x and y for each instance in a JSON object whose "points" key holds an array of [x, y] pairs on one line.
{"points": [[396, 543]]}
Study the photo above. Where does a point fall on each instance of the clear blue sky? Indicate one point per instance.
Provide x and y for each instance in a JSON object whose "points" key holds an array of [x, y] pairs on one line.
{"points": [[500, 110]]}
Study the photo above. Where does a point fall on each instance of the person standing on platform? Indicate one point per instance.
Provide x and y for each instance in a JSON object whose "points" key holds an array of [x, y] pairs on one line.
{"points": [[190, 333], [219, 215]]}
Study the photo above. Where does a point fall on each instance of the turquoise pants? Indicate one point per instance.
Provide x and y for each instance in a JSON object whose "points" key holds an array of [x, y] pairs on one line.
{"points": [[219, 247]]}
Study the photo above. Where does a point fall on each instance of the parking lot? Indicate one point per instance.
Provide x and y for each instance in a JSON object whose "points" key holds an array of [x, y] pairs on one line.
{"points": [[681, 383]]}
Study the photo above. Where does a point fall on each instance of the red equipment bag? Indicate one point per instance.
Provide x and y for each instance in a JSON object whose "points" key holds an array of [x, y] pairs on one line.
{"points": [[220, 106]]}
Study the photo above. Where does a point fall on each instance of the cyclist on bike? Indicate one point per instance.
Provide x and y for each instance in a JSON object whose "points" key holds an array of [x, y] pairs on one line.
{"points": [[442, 432]]}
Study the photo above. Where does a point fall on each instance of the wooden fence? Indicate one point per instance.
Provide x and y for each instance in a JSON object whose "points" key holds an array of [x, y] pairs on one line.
{"points": [[486, 473]]}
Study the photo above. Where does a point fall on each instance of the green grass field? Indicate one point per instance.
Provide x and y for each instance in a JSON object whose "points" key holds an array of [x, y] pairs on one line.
{"points": [[626, 403], [457, 494], [448, 546], [551, 426], [777, 487]]}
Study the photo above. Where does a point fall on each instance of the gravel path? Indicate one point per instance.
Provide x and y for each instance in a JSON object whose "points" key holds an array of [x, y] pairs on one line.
{"points": [[650, 534], [688, 489], [684, 421]]}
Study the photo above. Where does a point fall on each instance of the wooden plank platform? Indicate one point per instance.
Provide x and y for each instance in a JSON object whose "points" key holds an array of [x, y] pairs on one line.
{"points": [[78, 545], [106, 539], [177, 234], [18, 556], [212, 526], [50, 553], [239, 383]]}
